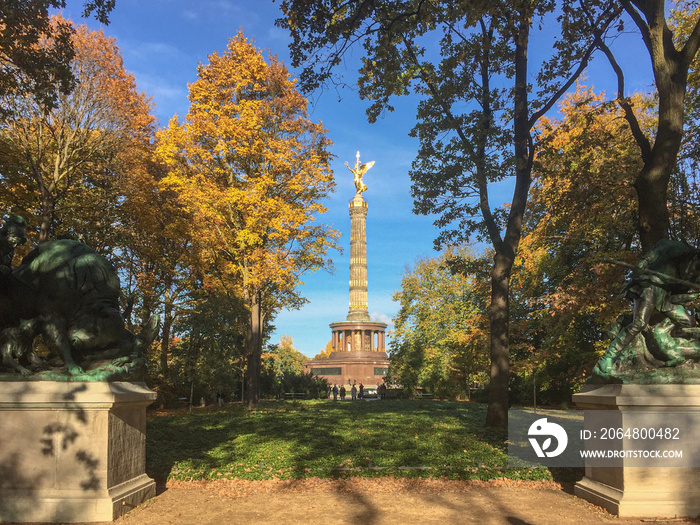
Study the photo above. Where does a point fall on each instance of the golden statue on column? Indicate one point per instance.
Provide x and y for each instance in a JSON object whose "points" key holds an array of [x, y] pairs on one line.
{"points": [[358, 172], [358, 343]]}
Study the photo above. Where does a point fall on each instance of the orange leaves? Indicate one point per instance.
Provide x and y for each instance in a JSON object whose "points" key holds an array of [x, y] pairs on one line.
{"points": [[79, 155], [582, 208], [249, 169], [326, 352], [588, 161]]}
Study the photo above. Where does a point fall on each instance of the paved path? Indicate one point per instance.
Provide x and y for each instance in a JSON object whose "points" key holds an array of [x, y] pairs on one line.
{"points": [[349, 502]]}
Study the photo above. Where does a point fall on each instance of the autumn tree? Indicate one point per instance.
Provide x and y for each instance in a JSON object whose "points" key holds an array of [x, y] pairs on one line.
{"points": [[476, 122], [440, 332], [249, 169], [326, 352], [284, 357], [29, 66], [63, 165], [565, 298], [283, 372], [672, 55], [154, 256], [682, 20], [208, 355]]}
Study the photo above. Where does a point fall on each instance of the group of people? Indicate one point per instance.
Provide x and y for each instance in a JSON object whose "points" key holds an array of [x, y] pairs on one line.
{"points": [[355, 392], [342, 392]]}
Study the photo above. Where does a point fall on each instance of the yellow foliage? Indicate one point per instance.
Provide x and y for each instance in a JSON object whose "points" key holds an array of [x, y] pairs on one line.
{"points": [[326, 352], [247, 170], [66, 166], [582, 208]]}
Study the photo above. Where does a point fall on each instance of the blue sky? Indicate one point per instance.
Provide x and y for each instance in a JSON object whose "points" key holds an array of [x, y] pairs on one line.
{"points": [[162, 42]]}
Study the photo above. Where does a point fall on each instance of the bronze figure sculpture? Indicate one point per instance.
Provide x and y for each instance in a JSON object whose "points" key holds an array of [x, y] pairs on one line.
{"points": [[67, 293], [661, 332], [11, 235]]}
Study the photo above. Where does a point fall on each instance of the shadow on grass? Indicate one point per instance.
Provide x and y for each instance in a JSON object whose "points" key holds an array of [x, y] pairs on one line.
{"points": [[327, 439]]}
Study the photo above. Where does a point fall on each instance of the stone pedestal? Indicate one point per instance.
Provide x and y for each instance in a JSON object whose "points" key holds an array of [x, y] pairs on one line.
{"points": [[640, 491], [72, 452], [347, 368]]}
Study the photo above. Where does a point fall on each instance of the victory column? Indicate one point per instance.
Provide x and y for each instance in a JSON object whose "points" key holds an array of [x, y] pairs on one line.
{"points": [[358, 343]]}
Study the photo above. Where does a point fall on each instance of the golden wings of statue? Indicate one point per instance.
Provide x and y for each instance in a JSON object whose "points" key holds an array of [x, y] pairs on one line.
{"points": [[358, 172]]}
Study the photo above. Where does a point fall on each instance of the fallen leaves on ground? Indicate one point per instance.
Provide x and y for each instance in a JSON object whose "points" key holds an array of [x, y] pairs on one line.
{"points": [[238, 488]]}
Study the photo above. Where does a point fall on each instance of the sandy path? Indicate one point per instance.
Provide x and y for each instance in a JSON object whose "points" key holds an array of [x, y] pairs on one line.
{"points": [[370, 502]]}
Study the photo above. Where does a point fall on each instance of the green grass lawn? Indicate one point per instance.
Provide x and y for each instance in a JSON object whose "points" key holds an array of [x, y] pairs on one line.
{"points": [[300, 439]]}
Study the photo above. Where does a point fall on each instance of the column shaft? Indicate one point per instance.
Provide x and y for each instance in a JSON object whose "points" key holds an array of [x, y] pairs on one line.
{"points": [[358, 260]]}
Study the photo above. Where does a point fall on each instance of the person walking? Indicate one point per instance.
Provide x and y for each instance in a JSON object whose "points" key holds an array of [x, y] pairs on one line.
{"points": [[353, 392], [335, 392], [342, 393], [362, 391]]}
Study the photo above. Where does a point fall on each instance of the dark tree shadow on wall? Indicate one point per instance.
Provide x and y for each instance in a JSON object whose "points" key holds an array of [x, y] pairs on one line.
{"points": [[55, 439]]}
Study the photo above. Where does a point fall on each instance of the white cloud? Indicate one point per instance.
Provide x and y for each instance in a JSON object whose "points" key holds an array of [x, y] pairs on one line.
{"points": [[223, 6], [379, 317], [277, 34], [151, 51], [169, 97], [159, 88]]}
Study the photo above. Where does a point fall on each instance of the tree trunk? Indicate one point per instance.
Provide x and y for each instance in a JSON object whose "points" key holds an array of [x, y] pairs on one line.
{"points": [[165, 340], [652, 181], [253, 343], [47, 206], [670, 66], [497, 413], [652, 196]]}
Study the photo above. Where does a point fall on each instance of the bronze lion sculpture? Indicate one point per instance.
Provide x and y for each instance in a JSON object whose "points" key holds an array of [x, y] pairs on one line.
{"points": [[67, 293]]}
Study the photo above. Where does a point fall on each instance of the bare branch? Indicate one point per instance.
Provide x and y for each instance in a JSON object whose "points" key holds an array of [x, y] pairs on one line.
{"points": [[692, 45], [639, 21]]}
